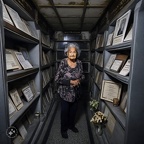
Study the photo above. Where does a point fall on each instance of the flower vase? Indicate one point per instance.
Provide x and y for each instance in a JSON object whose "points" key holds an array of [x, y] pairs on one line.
{"points": [[100, 129]]}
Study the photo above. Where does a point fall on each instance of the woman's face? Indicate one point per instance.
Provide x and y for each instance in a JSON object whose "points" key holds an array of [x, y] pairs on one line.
{"points": [[72, 53]]}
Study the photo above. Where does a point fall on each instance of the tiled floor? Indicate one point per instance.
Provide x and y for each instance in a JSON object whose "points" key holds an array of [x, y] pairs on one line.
{"points": [[54, 136]]}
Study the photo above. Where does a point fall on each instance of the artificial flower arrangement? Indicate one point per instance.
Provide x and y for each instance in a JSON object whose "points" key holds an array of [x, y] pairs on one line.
{"points": [[93, 104], [99, 118]]}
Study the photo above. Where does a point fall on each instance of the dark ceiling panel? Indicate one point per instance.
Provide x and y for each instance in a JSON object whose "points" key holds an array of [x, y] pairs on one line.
{"points": [[70, 12], [70, 20], [41, 2], [94, 12], [103, 3], [72, 15], [54, 8], [48, 12], [68, 2], [84, 11], [53, 20], [90, 20]]}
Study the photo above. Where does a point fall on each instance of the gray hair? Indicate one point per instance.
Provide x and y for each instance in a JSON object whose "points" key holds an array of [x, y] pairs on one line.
{"points": [[72, 45]]}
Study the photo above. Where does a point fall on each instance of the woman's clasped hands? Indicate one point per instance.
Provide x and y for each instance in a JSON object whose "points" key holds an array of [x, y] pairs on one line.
{"points": [[75, 82]]}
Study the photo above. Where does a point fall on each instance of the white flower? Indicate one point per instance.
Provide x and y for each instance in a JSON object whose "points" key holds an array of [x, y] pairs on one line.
{"points": [[98, 118]]}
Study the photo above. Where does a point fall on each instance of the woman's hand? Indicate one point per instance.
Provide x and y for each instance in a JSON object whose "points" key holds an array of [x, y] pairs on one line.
{"points": [[75, 82]]}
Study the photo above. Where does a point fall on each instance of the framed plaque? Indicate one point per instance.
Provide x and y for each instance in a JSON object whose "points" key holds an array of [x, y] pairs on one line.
{"points": [[25, 53], [17, 20], [118, 62], [44, 58], [116, 65], [32, 86], [6, 16], [126, 69], [110, 90], [18, 140], [31, 31], [12, 108], [99, 41], [110, 61], [129, 35], [28, 93], [121, 27], [25, 63], [11, 60], [16, 98], [109, 40]]}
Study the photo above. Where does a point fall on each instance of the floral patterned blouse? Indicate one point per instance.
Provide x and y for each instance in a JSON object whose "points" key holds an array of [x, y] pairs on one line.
{"points": [[63, 76]]}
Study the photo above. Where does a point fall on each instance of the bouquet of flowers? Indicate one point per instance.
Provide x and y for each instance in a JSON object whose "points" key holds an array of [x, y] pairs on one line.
{"points": [[93, 104], [99, 118]]}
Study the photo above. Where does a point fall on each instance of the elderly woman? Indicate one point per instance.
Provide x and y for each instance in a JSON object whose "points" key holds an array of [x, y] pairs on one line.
{"points": [[68, 77]]}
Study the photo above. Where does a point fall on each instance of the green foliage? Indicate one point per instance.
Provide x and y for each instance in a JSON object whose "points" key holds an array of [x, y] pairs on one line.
{"points": [[94, 104]]}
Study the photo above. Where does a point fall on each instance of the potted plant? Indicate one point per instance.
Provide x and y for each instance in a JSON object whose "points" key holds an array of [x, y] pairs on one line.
{"points": [[99, 119]]}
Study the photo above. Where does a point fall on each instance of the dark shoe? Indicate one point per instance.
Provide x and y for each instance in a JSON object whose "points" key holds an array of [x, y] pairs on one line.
{"points": [[64, 135], [74, 129]]}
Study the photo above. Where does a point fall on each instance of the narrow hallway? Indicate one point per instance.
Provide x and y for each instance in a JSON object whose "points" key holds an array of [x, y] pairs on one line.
{"points": [[52, 131]]}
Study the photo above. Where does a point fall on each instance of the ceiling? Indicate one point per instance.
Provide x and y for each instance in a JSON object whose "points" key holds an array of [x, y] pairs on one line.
{"points": [[71, 15]]}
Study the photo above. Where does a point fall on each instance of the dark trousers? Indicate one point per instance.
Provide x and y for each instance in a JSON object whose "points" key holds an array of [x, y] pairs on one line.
{"points": [[68, 113]]}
